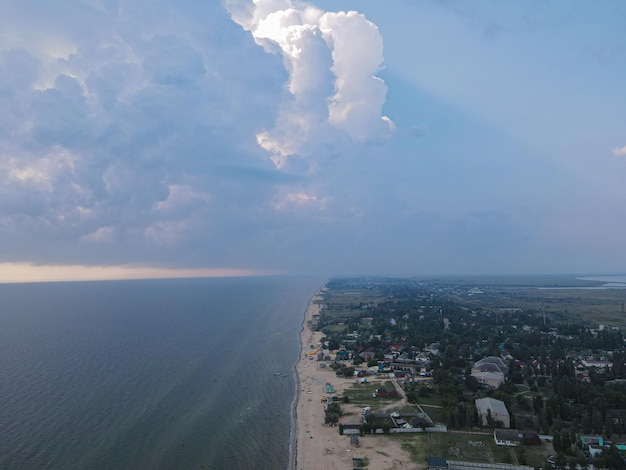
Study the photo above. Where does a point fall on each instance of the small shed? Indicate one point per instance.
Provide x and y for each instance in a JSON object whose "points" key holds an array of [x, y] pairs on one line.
{"points": [[506, 437]]}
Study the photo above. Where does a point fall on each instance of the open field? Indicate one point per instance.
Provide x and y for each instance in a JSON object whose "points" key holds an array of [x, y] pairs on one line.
{"points": [[361, 394], [336, 329], [601, 306], [560, 297], [471, 447]]}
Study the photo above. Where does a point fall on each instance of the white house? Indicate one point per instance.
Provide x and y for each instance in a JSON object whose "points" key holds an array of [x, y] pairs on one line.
{"points": [[489, 379], [495, 408]]}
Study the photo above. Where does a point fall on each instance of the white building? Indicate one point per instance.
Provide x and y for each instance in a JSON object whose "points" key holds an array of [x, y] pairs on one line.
{"points": [[489, 379], [491, 364], [497, 409]]}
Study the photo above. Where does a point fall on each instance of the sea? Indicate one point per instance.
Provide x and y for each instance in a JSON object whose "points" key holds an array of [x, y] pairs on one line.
{"points": [[150, 374]]}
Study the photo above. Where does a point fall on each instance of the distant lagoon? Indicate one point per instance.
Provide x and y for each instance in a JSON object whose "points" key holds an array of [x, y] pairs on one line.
{"points": [[610, 282]]}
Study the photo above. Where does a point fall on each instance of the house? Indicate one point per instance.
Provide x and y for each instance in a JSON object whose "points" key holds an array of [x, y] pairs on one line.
{"points": [[616, 416], [595, 450], [422, 357], [489, 379], [506, 437], [405, 366], [490, 371], [342, 355], [367, 355], [591, 440], [597, 364], [496, 409], [432, 349], [421, 422], [491, 364], [386, 393]]}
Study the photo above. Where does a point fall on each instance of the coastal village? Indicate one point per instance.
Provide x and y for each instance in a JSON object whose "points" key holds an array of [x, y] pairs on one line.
{"points": [[400, 373]]}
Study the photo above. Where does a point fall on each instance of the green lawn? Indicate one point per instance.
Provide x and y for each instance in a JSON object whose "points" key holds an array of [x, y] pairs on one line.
{"points": [[470, 447], [336, 329], [361, 394], [432, 399]]}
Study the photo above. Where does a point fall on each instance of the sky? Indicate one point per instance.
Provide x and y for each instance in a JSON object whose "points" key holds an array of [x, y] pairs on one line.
{"points": [[330, 137]]}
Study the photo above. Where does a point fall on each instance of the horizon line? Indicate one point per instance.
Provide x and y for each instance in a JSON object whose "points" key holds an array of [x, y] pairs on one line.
{"points": [[19, 273]]}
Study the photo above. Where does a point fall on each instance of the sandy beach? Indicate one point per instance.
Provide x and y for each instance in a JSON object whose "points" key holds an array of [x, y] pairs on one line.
{"points": [[320, 446]]}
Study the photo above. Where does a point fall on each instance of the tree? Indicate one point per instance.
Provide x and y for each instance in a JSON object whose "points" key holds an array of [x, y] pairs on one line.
{"points": [[609, 428], [596, 421], [522, 402], [560, 460], [586, 424], [471, 416], [471, 383], [556, 441], [490, 418], [332, 413], [386, 427], [610, 458], [549, 416], [582, 462]]}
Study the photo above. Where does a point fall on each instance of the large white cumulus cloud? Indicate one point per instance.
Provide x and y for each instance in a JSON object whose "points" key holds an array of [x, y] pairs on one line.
{"points": [[130, 131], [332, 59]]}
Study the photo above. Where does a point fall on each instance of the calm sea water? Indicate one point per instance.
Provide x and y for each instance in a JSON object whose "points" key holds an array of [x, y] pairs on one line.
{"points": [[161, 374]]}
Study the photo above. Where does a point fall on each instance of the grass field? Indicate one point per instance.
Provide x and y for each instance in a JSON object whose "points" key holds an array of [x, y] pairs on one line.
{"points": [[336, 329], [361, 394], [470, 447], [579, 303]]}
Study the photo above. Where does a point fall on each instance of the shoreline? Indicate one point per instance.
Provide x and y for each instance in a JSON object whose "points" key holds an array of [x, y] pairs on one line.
{"points": [[293, 434], [296, 441], [315, 445]]}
